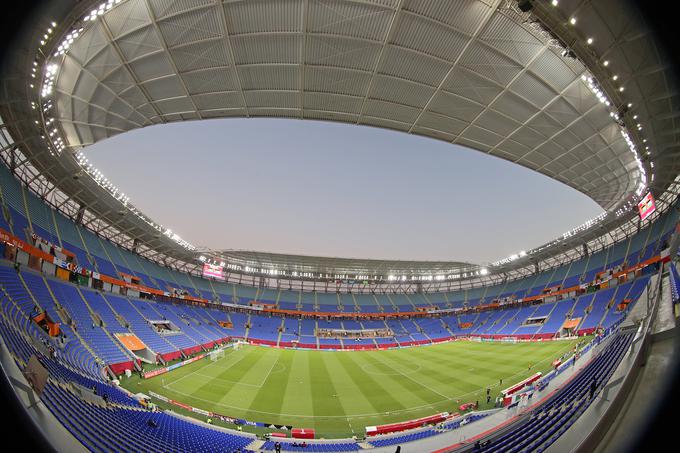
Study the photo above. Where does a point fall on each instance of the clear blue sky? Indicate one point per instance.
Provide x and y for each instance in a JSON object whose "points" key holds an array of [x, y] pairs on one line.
{"points": [[319, 188]]}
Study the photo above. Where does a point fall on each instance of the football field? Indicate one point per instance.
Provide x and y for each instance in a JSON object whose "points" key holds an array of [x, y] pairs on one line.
{"points": [[338, 393]]}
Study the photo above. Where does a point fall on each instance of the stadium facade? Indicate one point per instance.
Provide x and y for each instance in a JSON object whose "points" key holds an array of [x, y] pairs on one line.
{"points": [[578, 91]]}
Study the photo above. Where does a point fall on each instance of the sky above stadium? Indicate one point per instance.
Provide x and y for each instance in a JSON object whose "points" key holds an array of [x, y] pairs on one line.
{"points": [[320, 188]]}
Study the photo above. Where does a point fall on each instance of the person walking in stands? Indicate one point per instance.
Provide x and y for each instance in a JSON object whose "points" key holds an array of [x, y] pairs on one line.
{"points": [[277, 447], [593, 386]]}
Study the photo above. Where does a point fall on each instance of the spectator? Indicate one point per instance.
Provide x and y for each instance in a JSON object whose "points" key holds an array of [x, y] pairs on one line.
{"points": [[277, 447], [593, 387]]}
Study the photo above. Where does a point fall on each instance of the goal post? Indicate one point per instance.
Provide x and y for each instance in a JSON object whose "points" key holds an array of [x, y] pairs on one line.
{"points": [[216, 355]]}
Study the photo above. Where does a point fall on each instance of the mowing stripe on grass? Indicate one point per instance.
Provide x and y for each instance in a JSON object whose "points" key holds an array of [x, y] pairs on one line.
{"points": [[348, 390], [339, 393], [418, 381], [324, 399], [381, 395], [249, 371], [296, 399], [272, 390]]}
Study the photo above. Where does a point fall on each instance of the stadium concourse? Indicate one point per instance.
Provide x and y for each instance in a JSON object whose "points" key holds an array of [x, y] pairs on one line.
{"points": [[538, 351]]}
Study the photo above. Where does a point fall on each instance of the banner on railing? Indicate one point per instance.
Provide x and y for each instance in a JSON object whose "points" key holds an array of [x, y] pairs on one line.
{"points": [[164, 370], [156, 372], [156, 395]]}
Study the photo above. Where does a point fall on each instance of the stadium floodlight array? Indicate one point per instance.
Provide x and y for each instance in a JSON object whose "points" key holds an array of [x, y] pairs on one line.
{"points": [[53, 138], [101, 9], [596, 88], [599, 93], [335, 270], [511, 258]]}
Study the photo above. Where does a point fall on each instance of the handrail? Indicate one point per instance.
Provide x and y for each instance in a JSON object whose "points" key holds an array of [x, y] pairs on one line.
{"points": [[605, 420]]}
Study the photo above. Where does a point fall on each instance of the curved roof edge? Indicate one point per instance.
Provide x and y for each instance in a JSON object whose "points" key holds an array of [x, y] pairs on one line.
{"points": [[64, 183]]}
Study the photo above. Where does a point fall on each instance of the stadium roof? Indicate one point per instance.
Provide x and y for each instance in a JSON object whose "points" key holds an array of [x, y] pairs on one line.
{"points": [[526, 86], [339, 268]]}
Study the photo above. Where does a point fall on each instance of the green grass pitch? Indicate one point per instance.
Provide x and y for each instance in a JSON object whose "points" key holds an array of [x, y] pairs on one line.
{"points": [[338, 393]]}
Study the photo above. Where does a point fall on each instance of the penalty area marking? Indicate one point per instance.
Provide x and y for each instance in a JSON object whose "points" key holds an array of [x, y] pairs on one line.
{"points": [[218, 384], [206, 366], [282, 368]]}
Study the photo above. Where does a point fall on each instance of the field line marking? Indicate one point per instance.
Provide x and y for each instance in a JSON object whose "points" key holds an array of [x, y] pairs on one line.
{"points": [[278, 356], [226, 380], [372, 414], [187, 375], [206, 366], [364, 415], [417, 382]]}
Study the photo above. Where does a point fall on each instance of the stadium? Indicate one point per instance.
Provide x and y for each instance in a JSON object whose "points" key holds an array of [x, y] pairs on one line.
{"points": [[118, 335]]}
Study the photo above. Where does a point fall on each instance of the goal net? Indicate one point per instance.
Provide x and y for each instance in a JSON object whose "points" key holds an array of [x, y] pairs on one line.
{"points": [[216, 355]]}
